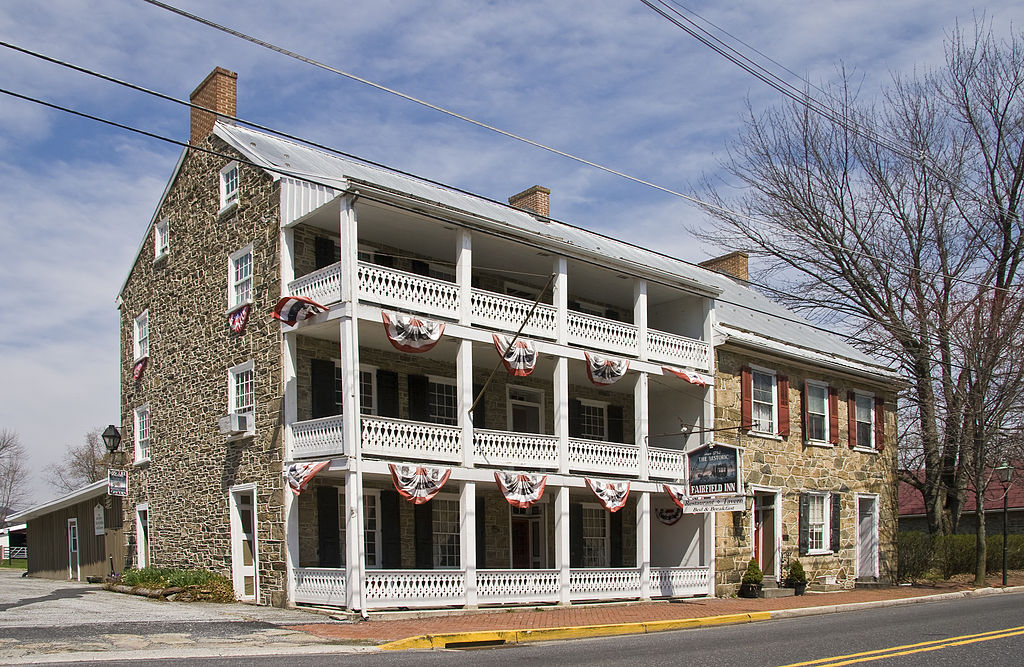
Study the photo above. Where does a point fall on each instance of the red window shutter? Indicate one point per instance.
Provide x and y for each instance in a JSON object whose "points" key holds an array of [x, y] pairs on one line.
{"points": [[833, 415], [746, 398], [879, 424], [851, 417], [782, 388]]}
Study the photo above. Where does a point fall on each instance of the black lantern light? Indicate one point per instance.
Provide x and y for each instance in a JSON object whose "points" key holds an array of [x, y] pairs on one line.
{"points": [[111, 438]]}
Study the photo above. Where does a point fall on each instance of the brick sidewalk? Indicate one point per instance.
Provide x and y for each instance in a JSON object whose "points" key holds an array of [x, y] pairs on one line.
{"points": [[375, 631]]}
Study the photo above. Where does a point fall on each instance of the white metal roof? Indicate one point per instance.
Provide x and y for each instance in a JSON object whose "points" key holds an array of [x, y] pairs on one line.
{"points": [[93, 490]]}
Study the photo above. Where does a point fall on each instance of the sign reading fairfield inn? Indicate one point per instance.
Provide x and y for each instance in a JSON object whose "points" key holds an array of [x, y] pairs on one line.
{"points": [[713, 470]]}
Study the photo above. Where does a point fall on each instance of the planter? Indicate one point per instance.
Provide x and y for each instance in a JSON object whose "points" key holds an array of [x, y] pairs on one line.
{"points": [[750, 590], [799, 589]]}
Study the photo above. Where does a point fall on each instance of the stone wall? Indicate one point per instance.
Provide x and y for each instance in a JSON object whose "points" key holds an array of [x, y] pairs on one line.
{"points": [[192, 468], [793, 466]]}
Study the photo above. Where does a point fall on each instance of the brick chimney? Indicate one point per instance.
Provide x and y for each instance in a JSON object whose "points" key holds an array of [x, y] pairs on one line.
{"points": [[535, 200], [216, 92], [734, 264]]}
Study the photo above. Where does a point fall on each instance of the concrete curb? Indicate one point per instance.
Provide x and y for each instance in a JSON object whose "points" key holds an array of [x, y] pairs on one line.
{"points": [[484, 637]]}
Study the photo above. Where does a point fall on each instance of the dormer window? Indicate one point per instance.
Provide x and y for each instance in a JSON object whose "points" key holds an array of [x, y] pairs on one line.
{"points": [[228, 186]]}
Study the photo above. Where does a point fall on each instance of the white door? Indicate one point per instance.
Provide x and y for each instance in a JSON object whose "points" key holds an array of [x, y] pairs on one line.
{"points": [[867, 537], [142, 540], [243, 543], [74, 570]]}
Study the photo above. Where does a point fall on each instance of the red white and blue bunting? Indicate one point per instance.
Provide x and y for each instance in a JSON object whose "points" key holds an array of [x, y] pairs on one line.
{"points": [[612, 495], [418, 484], [604, 370], [692, 377], [520, 357], [292, 309], [139, 368], [237, 319], [299, 475], [520, 489], [677, 493], [411, 333], [668, 515]]}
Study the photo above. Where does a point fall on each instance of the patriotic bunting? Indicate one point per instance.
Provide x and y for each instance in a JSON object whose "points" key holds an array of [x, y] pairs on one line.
{"points": [[411, 333], [299, 475], [677, 493], [238, 319], [605, 370], [292, 309], [668, 515], [520, 489], [692, 377], [519, 358], [139, 368], [418, 484], [612, 495]]}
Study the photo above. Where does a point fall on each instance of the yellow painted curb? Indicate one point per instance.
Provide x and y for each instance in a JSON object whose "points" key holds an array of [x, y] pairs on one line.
{"points": [[567, 632]]}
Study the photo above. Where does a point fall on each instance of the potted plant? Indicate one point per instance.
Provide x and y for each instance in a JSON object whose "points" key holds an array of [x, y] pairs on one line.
{"points": [[750, 585], [796, 578]]}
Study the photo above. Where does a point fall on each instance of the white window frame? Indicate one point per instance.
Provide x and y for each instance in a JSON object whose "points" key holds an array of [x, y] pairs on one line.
{"points": [[755, 425], [143, 424], [161, 240], [233, 373], [435, 555], [378, 551], [870, 398], [823, 440], [826, 528], [436, 379], [140, 337], [606, 538], [233, 281], [372, 408], [143, 549], [590, 403], [539, 404], [228, 195]]}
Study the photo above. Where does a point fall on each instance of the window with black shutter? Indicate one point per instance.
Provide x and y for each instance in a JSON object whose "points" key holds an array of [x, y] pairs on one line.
{"points": [[325, 252], [322, 388], [423, 532], [834, 523], [387, 393], [576, 535], [390, 530]]}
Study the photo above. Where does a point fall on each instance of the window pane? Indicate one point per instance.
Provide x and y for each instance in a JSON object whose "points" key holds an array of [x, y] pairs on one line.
{"points": [[816, 523], [764, 402], [816, 399], [595, 537], [242, 278], [244, 391], [367, 397], [592, 422], [446, 533], [443, 403]]}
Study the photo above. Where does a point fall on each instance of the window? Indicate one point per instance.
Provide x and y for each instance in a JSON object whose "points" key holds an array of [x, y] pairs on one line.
{"points": [[142, 335], [595, 536], [142, 433], [764, 401], [240, 278], [525, 409], [228, 186], [817, 411], [442, 401], [367, 389], [241, 388], [521, 291], [865, 418], [441, 272], [446, 532], [161, 240], [589, 308], [371, 528], [817, 522], [593, 420]]}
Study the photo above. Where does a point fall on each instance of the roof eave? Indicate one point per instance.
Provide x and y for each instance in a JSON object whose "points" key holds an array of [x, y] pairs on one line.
{"points": [[96, 489]]}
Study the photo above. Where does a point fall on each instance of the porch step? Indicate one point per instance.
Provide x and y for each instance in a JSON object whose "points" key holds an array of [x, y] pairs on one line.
{"points": [[770, 589], [869, 582]]}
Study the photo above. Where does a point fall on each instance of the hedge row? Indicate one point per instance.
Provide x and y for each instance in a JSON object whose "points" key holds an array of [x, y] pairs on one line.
{"points": [[922, 555]]}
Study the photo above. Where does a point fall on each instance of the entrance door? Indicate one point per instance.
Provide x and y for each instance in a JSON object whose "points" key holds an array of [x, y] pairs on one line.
{"points": [[527, 538], [243, 543], [142, 528], [525, 410], [74, 570], [765, 546], [867, 538]]}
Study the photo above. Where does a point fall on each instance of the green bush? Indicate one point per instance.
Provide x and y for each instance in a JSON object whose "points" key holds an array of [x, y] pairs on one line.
{"points": [[1014, 553], [954, 554], [753, 575], [915, 556], [198, 584], [796, 574]]}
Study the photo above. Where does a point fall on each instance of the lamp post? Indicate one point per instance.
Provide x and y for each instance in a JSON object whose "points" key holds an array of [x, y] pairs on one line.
{"points": [[1004, 473], [111, 439]]}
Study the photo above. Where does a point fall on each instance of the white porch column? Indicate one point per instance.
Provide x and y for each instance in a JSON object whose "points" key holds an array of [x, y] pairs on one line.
{"points": [[640, 316], [643, 543], [354, 546], [467, 540], [464, 275], [562, 545], [561, 300], [464, 388], [709, 550], [641, 421], [289, 364], [291, 537], [561, 400]]}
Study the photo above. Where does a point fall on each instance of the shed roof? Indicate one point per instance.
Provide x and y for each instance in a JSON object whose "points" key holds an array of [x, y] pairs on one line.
{"points": [[94, 490]]}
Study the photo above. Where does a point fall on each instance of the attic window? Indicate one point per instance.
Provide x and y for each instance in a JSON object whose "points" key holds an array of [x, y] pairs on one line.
{"points": [[228, 186], [161, 240]]}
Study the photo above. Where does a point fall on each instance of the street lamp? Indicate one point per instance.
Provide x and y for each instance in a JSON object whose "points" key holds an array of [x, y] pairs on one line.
{"points": [[111, 439], [1004, 473]]}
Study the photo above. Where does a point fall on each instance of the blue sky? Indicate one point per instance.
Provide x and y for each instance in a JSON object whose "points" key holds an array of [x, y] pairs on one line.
{"points": [[609, 81]]}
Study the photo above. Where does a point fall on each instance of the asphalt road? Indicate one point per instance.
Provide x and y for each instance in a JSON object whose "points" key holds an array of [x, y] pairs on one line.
{"points": [[978, 631]]}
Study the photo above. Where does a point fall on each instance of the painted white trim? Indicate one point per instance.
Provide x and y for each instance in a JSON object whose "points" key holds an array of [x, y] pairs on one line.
{"points": [[74, 572], [241, 252], [137, 350], [234, 520], [777, 520], [96, 489], [161, 229], [874, 498], [871, 420], [229, 199], [826, 537], [774, 433], [822, 441], [136, 419], [142, 559]]}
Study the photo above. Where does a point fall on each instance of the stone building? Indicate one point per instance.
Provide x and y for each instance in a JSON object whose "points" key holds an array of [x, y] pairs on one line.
{"points": [[395, 388]]}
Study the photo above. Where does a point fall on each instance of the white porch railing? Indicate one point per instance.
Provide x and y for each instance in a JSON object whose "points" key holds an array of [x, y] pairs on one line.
{"points": [[499, 311], [318, 437], [604, 583], [322, 286], [680, 350], [518, 586], [320, 585], [505, 448], [603, 457], [602, 334], [411, 440], [400, 289], [665, 463], [679, 581], [414, 588]]}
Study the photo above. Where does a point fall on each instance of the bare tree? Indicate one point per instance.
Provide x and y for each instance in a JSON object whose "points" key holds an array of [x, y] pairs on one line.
{"points": [[915, 251], [13, 473], [81, 465]]}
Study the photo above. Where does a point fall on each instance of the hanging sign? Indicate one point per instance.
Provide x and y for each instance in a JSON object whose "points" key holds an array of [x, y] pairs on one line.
{"points": [[292, 309], [604, 370], [418, 484], [411, 333], [713, 470], [520, 358], [97, 520], [299, 475], [668, 515], [117, 482], [713, 504], [520, 489]]}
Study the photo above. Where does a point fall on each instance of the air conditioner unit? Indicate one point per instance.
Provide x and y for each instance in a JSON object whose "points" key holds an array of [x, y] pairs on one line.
{"points": [[234, 423]]}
